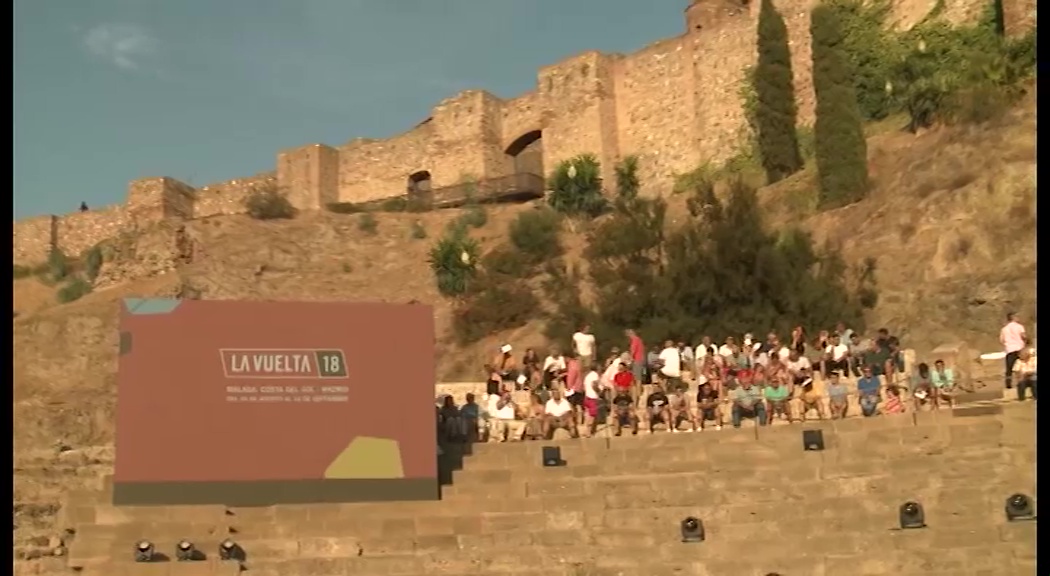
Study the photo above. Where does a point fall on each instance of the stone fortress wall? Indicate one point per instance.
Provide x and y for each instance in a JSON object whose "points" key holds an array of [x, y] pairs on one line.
{"points": [[675, 104]]}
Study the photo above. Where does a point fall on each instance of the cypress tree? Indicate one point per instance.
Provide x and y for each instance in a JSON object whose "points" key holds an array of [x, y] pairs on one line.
{"points": [[841, 150], [776, 114]]}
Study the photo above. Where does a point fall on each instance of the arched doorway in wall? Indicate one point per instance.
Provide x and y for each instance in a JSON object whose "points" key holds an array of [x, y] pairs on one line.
{"points": [[527, 153], [419, 185]]}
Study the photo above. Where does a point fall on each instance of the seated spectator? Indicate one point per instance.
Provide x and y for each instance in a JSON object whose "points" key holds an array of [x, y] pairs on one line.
{"points": [[858, 349], [652, 360], [726, 349], [657, 408], [798, 340], [809, 399], [943, 381], [592, 397], [798, 368], [705, 349], [535, 416], [739, 359], [504, 369], [554, 369], [453, 428], [613, 356], [624, 413], [922, 390], [470, 412], [530, 369], [688, 360], [838, 396], [878, 356], [708, 406], [835, 357], [895, 362], [778, 400], [893, 404], [868, 387], [747, 402], [559, 415], [624, 382], [680, 410], [503, 418], [1024, 378], [671, 367]]}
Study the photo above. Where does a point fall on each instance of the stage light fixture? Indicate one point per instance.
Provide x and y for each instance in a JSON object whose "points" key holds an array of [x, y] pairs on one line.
{"points": [[1019, 507], [184, 551], [912, 516], [143, 551], [692, 530], [552, 456], [230, 550]]}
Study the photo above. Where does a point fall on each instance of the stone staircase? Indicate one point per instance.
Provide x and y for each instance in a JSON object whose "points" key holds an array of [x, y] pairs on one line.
{"points": [[615, 509]]}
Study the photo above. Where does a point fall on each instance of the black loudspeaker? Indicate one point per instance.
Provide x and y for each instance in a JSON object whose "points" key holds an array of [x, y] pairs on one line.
{"points": [[552, 456], [813, 440]]}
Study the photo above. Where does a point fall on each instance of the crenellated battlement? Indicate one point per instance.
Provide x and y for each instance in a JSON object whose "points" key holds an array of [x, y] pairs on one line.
{"points": [[675, 104]]}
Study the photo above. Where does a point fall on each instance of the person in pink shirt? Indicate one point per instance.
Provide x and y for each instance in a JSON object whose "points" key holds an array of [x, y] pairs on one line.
{"points": [[574, 386], [637, 349], [1014, 339]]}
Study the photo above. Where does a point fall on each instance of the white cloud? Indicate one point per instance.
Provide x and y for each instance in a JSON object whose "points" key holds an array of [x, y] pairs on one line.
{"points": [[123, 45]]}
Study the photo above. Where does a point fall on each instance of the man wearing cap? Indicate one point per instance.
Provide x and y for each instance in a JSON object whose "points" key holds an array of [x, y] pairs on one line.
{"points": [[504, 369]]}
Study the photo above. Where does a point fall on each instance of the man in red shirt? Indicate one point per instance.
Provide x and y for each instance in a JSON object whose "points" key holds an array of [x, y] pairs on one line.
{"points": [[623, 381], [637, 348]]}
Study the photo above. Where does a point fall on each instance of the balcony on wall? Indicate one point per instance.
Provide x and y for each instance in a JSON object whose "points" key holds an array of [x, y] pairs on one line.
{"points": [[514, 188]]}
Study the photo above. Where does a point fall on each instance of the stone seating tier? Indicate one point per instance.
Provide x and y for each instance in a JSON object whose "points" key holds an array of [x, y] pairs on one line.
{"points": [[615, 509]]}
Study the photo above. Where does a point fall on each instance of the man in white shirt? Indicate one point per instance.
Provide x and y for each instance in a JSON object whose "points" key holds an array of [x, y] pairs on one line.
{"points": [[1014, 339], [799, 368], [592, 394], [836, 357], [554, 368], [727, 348], [559, 415], [583, 344], [503, 418], [671, 367]]}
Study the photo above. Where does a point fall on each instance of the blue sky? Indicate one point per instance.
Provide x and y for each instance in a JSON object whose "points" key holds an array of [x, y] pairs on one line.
{"points": [[107, 91]]}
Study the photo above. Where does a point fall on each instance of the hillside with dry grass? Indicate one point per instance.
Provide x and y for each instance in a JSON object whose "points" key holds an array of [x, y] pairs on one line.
{"points": [[951, 224]]}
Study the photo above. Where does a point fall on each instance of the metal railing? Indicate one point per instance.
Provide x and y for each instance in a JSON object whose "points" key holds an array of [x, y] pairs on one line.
{"points": [[520, 187]]}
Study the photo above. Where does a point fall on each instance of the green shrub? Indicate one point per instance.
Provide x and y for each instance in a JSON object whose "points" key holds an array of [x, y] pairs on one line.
{"points": [[93, 260], [453, 260], [576, 187], [58, 267], [475, 216], [269, 204], [497, 305], [344, 208], [418, 231], [535, 235], [506, 261], [74, 290], [368, 223], [395, 204], [23, 271]]}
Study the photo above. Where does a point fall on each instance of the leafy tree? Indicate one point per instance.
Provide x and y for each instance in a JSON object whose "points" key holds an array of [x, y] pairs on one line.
{"points": [[720, 273], [576, 187], [534, 234], [267, 203], [841, 150], [776, 113]]}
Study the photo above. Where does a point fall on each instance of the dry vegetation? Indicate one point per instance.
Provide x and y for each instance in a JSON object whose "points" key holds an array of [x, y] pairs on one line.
{"points": [[952, 224]]}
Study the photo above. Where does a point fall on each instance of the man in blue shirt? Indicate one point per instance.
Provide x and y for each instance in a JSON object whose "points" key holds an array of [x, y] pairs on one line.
{"points": [[868, 387]]}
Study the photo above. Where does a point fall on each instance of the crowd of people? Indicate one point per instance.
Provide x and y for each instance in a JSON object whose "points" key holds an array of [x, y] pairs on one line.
{"points": [[680, 387]]}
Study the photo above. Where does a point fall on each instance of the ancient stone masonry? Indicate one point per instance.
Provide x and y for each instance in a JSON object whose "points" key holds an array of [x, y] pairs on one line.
{"points": [[675, 104]]}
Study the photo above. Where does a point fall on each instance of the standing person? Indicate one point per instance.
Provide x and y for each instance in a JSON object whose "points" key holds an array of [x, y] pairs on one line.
{"points": [[1014, 339], [583, 344], [637, 348]]}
